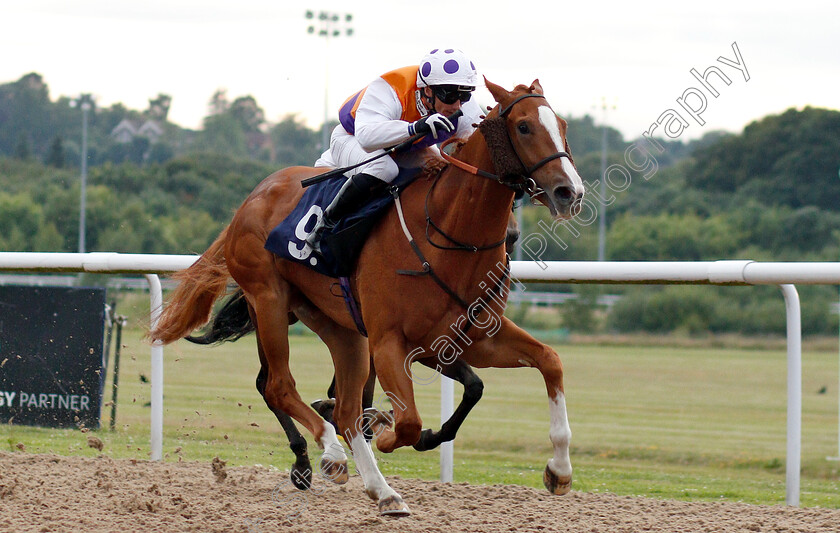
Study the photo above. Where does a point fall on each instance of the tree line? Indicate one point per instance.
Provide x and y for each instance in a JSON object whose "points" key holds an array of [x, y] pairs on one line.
{"points": [[35, 127], [768, 193]]}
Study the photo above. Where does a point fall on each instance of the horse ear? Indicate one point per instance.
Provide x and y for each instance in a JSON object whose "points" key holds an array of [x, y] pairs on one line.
{"points": [[536, 87], [498, 92]]}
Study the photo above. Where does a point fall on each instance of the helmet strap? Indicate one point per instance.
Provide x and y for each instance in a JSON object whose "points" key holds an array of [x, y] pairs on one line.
{"points": [[431, 99], [423, 99]]}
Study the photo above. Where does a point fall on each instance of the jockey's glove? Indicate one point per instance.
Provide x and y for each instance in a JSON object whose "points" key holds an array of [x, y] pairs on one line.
{"points": [[431, 124]]}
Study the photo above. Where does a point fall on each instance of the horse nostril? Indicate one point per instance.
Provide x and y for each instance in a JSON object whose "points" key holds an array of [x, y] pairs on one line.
{"points": [[565, 195], [576, 205]]}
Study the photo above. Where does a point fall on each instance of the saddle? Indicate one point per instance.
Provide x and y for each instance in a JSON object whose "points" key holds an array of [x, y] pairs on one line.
{"points": [[340, 246]]}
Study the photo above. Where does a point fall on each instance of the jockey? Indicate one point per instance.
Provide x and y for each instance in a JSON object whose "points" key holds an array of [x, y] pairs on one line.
{"points": [[393, 108]]}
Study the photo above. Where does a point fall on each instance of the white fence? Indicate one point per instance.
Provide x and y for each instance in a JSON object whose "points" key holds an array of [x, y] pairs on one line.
{"points": [[785, 275]]}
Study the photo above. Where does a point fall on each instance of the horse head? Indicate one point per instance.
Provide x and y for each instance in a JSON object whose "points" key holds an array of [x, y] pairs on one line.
{"points": [[537, 137]]}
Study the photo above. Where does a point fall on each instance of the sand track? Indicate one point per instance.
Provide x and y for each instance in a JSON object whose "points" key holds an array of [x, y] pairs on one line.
{"points": [[50, 493]]}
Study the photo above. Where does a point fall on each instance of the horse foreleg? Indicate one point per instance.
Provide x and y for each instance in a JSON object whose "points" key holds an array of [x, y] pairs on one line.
{"points": [[473, 389], [387, 357], [511, 347], [389, 360]]}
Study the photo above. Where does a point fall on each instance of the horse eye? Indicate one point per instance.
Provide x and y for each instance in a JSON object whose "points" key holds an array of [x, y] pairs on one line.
{"points": [[523, 128]]}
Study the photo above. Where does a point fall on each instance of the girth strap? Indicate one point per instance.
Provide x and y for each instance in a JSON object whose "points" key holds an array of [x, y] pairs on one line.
{"points": [[352, 305], [427, 268], [428, 271]]}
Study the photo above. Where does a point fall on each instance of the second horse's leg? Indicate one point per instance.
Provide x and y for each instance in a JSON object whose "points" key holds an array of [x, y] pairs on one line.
{"points": [[301, 473], [270, 304], [473, 389]]}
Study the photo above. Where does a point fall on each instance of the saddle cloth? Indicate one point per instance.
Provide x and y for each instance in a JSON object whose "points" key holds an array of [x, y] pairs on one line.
{"points": [[340, 246]]}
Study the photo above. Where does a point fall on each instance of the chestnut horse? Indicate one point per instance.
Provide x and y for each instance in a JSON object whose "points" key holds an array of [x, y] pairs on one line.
{"points": [[233, 321], [417, 298]]}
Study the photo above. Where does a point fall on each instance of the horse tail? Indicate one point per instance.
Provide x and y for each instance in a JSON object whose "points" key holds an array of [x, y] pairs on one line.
{"points": [[190, 304], [230, 323]]}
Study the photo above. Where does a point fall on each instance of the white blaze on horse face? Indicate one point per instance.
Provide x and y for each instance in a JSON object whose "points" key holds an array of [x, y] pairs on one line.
{"points": [[375, 485], [549, 121], [561, 435]]}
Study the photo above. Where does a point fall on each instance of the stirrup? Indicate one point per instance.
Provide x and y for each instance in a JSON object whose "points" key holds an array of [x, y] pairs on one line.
{"points": [[314, 238]]}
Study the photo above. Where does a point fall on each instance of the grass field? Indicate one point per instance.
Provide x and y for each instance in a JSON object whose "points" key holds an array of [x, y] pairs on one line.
{"points": [[689, 423]]}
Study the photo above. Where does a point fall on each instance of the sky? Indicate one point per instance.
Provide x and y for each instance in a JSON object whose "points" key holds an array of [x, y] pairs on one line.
{"points": [[624, 63]]}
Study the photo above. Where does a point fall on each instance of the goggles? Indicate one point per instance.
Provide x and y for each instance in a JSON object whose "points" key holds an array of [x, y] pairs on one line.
{"points": [[449, 94]]}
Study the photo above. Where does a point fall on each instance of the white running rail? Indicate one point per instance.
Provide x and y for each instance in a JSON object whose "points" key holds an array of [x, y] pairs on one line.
{"points": [[784, 275]]}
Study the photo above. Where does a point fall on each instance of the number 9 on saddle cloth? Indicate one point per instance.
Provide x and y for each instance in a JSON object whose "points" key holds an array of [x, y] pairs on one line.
{"points": [[341, 245]]}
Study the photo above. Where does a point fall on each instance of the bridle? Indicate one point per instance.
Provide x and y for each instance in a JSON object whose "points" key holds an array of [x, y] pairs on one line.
{"points": [[526, 183]]}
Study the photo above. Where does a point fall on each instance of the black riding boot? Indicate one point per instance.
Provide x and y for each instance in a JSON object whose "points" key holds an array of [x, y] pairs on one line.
{"points": [[355, 191]]}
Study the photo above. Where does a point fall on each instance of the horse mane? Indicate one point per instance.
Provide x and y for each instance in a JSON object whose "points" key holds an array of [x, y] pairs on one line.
{"points": [[507, 164], [433, 166]]}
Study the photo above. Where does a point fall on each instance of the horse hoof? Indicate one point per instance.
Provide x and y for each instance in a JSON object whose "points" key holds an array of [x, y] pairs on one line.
{"points": [[556, 484], [335, 471], [301, 477], [378, 421], [393, 506], [425, 442]]}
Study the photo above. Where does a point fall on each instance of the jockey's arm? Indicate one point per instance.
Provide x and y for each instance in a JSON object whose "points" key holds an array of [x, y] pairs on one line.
{"points": [[378, 123], [472, 115]]}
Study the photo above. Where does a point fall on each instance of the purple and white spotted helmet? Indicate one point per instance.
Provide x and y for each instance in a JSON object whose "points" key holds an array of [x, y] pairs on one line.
{"points": [[446, 66]]}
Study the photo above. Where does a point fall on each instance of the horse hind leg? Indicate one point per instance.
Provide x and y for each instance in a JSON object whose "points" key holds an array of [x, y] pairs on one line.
{"points": [[271, 319], [353, 383], [301, 473], [232, 322], [326, 407], [353, 363]]}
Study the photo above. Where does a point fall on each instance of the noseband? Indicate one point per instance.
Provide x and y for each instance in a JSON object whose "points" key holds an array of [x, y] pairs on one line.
{"points": [[522, 181]]}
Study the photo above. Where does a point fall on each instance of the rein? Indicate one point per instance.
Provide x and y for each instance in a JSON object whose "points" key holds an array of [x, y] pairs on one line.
{"points": [[458, 244], [526, 185]]}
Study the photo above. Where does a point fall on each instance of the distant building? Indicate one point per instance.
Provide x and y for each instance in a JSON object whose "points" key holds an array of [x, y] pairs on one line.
{"points": [[127, 130]]}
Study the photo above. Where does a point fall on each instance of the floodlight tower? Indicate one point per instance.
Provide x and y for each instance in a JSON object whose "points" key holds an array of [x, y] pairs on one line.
{"points": [[602, 218], [330, 25], [85, 102]]}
